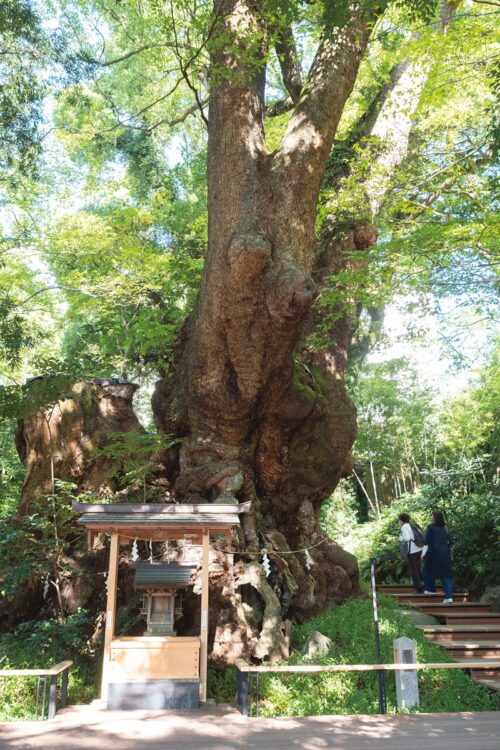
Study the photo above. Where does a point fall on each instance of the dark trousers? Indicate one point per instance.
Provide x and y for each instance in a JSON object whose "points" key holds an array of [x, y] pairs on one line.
{"points": [[416, 575]]}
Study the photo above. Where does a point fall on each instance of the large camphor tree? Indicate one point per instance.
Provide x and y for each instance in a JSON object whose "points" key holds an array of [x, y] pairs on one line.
{"points": [[252, 393]]}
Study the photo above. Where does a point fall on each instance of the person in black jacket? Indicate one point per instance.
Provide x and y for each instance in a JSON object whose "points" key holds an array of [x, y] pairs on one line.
{"points": [[437, 557]]}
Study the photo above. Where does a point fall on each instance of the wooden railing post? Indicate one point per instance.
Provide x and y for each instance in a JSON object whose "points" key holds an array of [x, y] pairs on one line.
{"points": [[110, 613], [243, 693], [204, 615]]}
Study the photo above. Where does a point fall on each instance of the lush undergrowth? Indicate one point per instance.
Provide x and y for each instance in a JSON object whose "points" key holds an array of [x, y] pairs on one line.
{"points": [[40, 644], [350, 627]]}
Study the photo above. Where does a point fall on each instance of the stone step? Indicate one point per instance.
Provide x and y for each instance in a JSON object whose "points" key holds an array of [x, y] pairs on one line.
{"points": [[466, 618], [461, 632], [424, 599], [474, 607], [492, 672], [493, 683], [400, 588], [463, 649]]}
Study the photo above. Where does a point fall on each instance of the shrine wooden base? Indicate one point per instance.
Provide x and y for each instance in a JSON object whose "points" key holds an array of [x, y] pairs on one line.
{"points": [[154, 672]]}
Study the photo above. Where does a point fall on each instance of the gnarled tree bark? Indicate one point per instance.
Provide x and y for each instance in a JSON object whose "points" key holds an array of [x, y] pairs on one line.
{"points": [[61, 441], [261, 421]]}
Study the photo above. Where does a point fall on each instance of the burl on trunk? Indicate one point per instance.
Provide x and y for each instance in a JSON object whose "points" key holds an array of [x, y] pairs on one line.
{"points": [[262, 416]]}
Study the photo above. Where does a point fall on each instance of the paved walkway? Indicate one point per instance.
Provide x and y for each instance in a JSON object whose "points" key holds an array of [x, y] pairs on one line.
{"points": [[221, 728]]}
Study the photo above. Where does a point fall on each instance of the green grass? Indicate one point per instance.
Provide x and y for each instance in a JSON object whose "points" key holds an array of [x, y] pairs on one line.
{"points": [[350, 627], [39, 644]]}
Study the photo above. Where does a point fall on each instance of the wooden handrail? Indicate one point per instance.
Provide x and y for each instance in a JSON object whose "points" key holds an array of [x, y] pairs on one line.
{"points": [[42, 674], [55, 670], [246, 672], [242, 665]]}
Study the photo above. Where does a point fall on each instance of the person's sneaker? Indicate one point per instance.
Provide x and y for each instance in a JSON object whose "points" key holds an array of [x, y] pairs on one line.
{"points": [[447, 601], [429, 592]]}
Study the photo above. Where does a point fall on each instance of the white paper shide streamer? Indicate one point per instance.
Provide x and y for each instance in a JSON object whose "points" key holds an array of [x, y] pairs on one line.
{"points": [[135, 551], [266, 565]]}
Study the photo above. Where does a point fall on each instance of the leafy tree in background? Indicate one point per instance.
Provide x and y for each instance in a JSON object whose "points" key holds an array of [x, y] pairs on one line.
{"points": [[24, 48], [396, 430], [470, 422]]}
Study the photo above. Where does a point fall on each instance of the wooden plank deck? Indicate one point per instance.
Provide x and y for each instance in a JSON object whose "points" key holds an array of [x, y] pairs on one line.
{"points": [[222, 728]]}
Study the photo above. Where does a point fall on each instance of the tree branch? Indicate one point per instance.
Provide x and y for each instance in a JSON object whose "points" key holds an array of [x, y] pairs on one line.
{"points": [[291, 70], [120, 59], [487, 2], [309, 135], [23, 302], [280, 107], [390, 116], [181, 118]]}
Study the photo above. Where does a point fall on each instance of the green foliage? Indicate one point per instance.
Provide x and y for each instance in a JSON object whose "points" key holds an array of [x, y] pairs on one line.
{"points": [[23, 44], [21, 329], [438, 227], [16, 401], [38, 549], [221, 684], [44, 643], [128, 294], [450, 453], [11, 470], [137, 451], [340, 514], [395, 417], [470, 422], [350, 627]]}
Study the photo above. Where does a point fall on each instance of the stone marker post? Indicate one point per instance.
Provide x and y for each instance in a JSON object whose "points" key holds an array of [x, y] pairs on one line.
{"points": [[406, 682]]}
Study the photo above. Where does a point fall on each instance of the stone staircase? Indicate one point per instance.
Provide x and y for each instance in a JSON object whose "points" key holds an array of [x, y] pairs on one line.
{"points": [[469, 631]]}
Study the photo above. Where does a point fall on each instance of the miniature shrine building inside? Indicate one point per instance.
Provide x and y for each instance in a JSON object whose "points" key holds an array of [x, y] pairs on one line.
{"points": [[159, 669]]}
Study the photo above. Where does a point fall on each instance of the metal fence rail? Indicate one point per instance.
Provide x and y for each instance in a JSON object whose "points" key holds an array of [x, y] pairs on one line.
{"points": [[42, 674]]}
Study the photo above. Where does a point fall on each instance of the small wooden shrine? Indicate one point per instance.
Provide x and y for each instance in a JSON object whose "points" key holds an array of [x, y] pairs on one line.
{"points": [[159, 669]]}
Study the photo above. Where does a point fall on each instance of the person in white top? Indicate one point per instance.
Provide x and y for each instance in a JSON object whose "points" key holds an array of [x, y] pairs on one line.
{"points": [[415, 553]]}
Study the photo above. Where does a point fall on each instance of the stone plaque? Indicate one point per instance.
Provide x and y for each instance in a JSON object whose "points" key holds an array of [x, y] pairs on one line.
{"points": [[406, 681]]}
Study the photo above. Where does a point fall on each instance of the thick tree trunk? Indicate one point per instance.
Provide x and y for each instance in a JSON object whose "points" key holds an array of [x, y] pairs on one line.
{"points": [[266, 418], [65, 441], [60, 442], [260, 420], [263, 415]]}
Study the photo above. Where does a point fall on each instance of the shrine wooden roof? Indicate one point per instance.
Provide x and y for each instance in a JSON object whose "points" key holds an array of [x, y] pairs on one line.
{"points": [[158, 520]]}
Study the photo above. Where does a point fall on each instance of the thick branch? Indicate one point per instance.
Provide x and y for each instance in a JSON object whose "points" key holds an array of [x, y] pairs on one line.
{"points": [[393, 122], [312, 127], [299, 164], [392, 126]]}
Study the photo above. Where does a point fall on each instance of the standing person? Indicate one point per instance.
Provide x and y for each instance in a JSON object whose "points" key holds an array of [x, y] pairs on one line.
{"points": [[407, 536], [437, 557]]}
